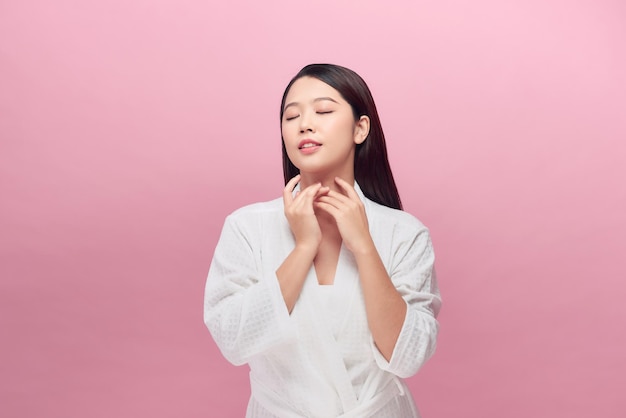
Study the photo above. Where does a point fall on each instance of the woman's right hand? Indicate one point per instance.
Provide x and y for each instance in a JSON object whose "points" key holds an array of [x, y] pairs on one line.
{"points": [[300, 214]]}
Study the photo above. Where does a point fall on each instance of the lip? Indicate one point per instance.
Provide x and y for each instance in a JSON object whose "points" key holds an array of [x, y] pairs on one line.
{"points": [[307, 141], [312, 148]]}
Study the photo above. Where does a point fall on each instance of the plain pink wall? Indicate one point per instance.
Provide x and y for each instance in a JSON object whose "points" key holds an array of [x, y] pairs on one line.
{"points": [[130, 129]]}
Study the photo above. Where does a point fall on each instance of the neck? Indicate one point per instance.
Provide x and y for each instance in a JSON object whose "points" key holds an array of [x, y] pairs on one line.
{"points": [[327, 180]]}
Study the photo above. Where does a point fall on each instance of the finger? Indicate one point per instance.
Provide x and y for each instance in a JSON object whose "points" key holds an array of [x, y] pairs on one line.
{"points": [[348, 188], [327, 207], [288, 190], [323, 191], [291, 184], [305, 198], [311, 190], [338, 198], [334, 199]]}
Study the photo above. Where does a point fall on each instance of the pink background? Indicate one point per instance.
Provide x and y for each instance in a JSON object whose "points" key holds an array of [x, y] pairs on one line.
{"points": [[130, 129]]}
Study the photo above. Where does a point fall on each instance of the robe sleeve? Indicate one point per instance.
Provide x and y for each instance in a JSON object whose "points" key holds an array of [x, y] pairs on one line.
{"points": [[244, 311], [413, 274]]}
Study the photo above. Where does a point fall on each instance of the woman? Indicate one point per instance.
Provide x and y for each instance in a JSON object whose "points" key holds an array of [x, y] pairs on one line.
{"points": [[328, 293]]}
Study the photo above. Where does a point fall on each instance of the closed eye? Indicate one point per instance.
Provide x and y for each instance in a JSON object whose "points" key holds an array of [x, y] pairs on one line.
{"points": [[291, 117], [325, 112]]}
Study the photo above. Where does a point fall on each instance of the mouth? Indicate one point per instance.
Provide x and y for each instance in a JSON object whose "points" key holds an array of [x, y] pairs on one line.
{"points": [[308, 143]]}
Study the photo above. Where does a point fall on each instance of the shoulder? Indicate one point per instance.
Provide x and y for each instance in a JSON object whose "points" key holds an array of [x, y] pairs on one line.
{"points": [[256, 213], [386, 215], [258, 208], [399, 236], [389, 217]]}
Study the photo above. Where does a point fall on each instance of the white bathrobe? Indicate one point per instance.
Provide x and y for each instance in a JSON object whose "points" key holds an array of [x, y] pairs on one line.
{"points": [[321, 360]]}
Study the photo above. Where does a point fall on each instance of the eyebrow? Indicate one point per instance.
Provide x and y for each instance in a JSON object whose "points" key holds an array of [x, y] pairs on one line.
{"points": [[318, 99]]}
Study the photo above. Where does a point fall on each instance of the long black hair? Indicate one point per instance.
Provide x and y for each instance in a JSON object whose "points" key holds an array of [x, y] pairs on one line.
{"points": [[371, 165]]}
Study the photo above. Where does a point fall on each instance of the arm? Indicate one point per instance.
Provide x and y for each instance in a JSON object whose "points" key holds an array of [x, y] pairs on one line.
{"points": [[385, 308], [402, 299], [248, 314], [306, 231], [244, 311], [412, 272]]}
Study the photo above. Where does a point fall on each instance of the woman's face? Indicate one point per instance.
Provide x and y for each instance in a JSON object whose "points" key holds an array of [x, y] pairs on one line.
{"points": [[319, 129]]}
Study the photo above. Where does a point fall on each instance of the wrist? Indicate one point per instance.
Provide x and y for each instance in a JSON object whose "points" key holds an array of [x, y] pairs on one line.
{"points": [[365, 249], [306, 248]]}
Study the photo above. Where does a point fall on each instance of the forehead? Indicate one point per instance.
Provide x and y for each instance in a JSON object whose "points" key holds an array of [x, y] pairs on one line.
{"points": [[309, 88]]}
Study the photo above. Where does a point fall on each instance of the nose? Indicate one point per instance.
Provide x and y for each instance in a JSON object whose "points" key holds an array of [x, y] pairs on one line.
{"points": [[306, 123]]}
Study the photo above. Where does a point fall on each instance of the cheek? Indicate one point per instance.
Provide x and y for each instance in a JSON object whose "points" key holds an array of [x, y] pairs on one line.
{"points": [[289, 139], [344, 127], [285, 133]]}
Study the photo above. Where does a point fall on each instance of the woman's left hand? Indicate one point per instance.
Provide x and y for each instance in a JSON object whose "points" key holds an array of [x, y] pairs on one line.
{"points": [[349, 214]]}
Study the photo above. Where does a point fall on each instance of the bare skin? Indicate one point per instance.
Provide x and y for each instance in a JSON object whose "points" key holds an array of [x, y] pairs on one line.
{"points": [[321, 219], [308, 235], [384, 306], [327, 211]]}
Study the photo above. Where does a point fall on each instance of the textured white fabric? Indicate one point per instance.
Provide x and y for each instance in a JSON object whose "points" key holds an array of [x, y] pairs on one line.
{"points": [[321, 360]]}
